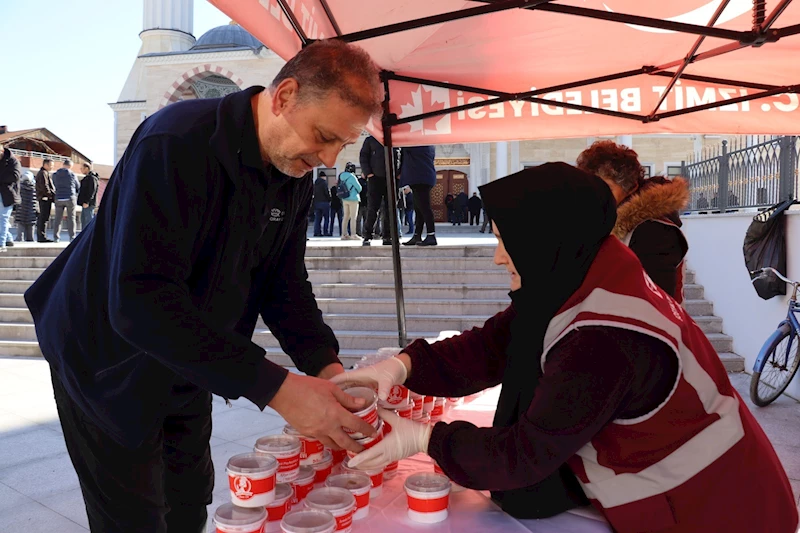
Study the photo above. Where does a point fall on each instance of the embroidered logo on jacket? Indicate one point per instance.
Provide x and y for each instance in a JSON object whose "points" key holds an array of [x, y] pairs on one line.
{"points": [[276, 215]]}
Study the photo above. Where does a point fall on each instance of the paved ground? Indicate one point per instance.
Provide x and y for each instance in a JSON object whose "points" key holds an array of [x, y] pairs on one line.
{"points": [[39, 490]]}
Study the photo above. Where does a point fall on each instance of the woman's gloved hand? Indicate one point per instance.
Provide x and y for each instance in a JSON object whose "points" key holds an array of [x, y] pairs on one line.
{"points": [[384, 375], [406, 439]]}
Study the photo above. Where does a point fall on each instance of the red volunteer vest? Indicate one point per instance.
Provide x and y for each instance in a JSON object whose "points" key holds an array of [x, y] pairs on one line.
{"points": [[699, 463], [679, 270]]}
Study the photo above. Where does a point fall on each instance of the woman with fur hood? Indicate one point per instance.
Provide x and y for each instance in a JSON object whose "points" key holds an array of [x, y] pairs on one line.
{"points": [[648, 220]]}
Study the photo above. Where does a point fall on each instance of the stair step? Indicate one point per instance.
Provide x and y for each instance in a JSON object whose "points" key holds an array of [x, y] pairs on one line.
{"points": [[722, 343], [478, 277], [692, 291], [732, 362], [413, 306], [17, 331], [698, 307], [414, 291], [19, 348], [347, 357], [424, 264], [30, 274], [358, 252], [370, 341], [14, 286], [709, 324], [7, 261], [16, 315], [689, 277]]}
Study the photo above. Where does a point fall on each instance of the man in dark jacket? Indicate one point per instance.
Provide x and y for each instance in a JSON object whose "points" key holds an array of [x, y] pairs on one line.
{"points": [[10, 173], [67, 185], [373, 166], [45, 193], [417, 170], [153, 308], [87, 197], [322, 205], [475, 205], [362, 207]]}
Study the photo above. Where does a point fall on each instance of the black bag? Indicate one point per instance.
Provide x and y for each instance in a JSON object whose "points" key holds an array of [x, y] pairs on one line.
{"points": [[765, 246], [342, 191]]}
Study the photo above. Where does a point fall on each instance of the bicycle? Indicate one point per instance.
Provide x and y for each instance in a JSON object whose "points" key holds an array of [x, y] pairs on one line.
{"points": [[778, 361]]}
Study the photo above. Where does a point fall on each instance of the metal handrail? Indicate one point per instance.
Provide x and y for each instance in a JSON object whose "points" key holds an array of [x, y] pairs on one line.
{"points": [[40, 155]]}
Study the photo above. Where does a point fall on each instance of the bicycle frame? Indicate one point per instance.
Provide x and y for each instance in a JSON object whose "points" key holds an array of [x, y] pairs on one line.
{"points": [[791, 325]]}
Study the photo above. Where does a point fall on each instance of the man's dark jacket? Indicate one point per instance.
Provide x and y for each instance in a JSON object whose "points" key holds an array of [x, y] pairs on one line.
{"points": [[193, 240], [44, 186], [10, 172], [89, 187], [322, 194], [372, 158]]}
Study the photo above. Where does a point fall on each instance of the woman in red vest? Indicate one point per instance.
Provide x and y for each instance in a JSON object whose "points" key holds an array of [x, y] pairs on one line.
{"points": [[601, 370], [648, 212]]}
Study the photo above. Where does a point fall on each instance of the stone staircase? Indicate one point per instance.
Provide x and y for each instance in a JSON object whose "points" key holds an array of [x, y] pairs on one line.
{"points": [[702, 311], [446, 288]]}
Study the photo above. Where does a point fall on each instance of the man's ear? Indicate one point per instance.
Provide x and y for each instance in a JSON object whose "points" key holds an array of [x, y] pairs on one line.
{"points": [[284, 96]]}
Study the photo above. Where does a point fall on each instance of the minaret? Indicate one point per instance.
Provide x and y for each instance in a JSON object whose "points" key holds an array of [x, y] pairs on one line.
{"points": [[167, 26]]}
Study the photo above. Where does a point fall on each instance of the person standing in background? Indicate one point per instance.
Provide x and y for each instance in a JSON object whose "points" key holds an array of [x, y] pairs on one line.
{"points": [[45, 193], [418, 172], [475, 205], [336, 211], [26, 215], [350, 203], [362, 206], [322, 205], [373, 165], [87, 197], [10, 173], [67, 186]]}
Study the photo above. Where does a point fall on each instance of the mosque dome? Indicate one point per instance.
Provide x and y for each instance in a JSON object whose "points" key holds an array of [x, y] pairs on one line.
{"points": [[229, 36]]}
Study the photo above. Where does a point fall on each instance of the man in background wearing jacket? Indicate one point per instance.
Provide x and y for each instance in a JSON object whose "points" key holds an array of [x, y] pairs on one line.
{"points": [[10, 173], [152, 308], [373, 166], [45, 194], [67, 185], [87, 197]]}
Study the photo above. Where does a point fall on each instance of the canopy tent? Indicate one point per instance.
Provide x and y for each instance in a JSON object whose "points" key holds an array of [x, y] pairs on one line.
{"points": [[492, 70]]}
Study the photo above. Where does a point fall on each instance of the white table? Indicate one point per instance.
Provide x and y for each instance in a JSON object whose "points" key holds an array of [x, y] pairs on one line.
{"points": [[470, 511]]}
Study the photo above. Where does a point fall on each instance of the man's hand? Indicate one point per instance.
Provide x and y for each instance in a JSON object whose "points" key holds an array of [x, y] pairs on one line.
{"points": [[333, 369], [384, 375], [318, 408], [406, 439], [85, 206]]}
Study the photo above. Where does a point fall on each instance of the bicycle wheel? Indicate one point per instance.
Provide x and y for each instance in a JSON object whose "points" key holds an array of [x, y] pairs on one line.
{"points": [[777, 370]]}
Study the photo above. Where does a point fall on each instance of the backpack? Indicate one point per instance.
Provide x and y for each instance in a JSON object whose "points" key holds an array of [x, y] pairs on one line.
{"points": [[342, 191], [765, 246]]}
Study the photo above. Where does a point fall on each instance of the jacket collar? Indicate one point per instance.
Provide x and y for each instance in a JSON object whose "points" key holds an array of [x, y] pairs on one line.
{"points": [[652, 203], [235, 134]]}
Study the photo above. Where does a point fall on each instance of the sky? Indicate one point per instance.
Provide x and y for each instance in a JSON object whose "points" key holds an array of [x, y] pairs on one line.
{"points": [[65, 61]]}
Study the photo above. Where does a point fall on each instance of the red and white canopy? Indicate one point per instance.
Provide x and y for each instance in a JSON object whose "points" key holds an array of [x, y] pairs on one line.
{"points": [[560, 68]]}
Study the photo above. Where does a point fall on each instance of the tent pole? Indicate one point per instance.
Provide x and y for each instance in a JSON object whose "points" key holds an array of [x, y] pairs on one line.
{"points": [[391, 194], [294, 22], [331, 19], [688, 59]]}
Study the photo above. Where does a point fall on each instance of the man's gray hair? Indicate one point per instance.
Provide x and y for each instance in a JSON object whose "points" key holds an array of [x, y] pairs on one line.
{"points": [[67, 163], [333, 65]]}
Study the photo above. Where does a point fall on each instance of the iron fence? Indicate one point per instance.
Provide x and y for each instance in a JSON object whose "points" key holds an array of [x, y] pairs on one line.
{"points": [[747, 172]]}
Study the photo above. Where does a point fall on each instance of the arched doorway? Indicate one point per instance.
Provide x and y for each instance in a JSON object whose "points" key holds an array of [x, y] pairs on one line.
{"points": [[206, 81], [447, 182]]}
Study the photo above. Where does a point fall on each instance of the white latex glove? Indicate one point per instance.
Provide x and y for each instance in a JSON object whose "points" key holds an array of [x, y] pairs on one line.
{"points": [[406, 439], [385, 375]]}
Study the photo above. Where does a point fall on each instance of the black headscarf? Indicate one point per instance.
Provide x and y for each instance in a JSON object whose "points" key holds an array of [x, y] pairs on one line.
{"points": [[552, 219]]}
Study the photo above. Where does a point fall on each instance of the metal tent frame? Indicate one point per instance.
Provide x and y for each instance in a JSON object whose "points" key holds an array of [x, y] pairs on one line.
{"points": [[762, 32]]}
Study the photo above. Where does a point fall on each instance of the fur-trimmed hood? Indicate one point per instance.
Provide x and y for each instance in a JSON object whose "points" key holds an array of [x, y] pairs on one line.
{"points": [[653, 201]]}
